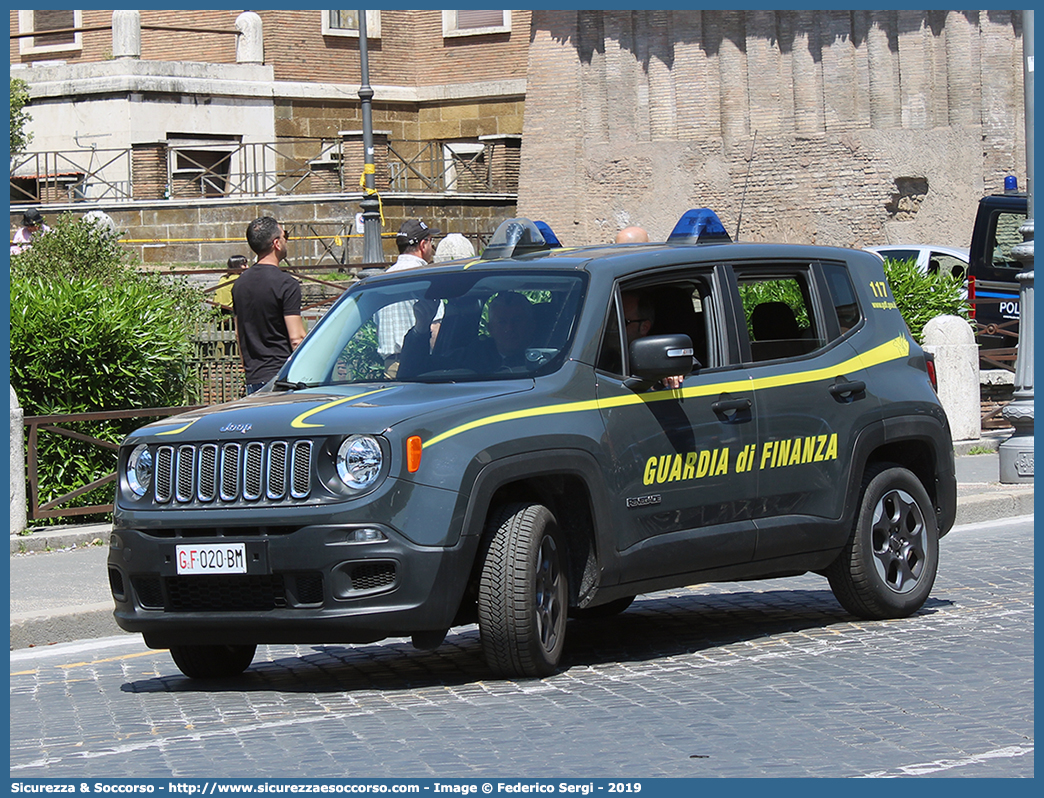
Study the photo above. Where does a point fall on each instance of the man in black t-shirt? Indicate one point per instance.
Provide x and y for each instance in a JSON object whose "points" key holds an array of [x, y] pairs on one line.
{"points": [[267, 304]]}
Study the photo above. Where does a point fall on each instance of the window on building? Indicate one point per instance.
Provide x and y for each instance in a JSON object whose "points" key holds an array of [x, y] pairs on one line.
{"points": [[346, 23], [464, 167], [202, 167], [475, 23], [39, 22]]}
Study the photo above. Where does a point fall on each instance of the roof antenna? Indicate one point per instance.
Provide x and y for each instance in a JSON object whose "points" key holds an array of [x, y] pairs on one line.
{"points": [[746, 182]]}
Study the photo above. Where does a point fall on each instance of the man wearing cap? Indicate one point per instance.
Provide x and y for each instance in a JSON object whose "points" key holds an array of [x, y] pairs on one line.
{"points": [[416, 249], [32, 224], [415, 244]]}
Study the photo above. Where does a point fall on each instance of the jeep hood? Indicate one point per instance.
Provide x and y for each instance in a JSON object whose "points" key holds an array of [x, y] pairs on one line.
{"points": [[364, 408]]}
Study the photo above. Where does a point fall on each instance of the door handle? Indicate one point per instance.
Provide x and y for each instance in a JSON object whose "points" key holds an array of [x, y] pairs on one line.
{"points": [[723, 407], [848, 390]]}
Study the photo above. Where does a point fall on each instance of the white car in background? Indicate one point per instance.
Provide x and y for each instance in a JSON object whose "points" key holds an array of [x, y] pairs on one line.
{"points": [[953, 260]]}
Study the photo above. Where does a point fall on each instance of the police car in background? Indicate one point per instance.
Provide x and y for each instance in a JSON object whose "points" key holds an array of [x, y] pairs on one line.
{"points": [[526, 464]]}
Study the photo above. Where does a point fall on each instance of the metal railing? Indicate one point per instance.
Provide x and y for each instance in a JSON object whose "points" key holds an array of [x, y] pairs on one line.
{"points": [[58, 424], [244, 169], [71, 176], [432, 169]]}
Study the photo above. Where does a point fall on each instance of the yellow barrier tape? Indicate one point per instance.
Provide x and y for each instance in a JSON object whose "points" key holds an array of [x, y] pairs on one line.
{"points": [[371, 169]]}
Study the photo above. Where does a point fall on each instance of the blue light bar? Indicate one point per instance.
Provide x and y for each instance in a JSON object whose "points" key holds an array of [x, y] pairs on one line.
{"points": [[515, 237], [698, 226], [548, 233]]}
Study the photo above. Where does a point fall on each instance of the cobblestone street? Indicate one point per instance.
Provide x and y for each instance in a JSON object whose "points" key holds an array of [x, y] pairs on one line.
{"points": [[754, 679]]}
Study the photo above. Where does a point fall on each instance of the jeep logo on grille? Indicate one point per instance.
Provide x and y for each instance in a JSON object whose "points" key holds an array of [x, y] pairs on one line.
{"points": [[236, 428]]}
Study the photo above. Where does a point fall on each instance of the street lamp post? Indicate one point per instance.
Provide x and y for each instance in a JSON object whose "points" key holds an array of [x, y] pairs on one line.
{"points": [[1016, 453], [373, 252]]}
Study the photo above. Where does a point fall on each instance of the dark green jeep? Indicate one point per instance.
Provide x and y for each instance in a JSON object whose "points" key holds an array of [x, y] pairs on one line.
{"points": [[541, 434]]}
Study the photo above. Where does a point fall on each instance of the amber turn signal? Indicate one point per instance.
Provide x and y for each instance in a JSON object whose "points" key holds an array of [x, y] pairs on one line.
{"points": [[413, 453]]}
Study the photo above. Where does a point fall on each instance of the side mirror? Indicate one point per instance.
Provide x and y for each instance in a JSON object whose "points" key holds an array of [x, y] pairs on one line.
{"points": [[657, 356]]}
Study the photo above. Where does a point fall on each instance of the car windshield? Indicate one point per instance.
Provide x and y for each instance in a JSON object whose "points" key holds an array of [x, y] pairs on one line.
{"points": [[442, 327]]}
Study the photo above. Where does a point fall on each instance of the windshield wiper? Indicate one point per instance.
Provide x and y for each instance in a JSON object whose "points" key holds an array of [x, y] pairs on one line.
{"points": [[286, 385]]}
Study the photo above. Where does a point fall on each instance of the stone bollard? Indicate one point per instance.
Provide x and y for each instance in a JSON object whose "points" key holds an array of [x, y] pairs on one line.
{"points": [[126, 35], [250, 43], [18, 516], [951, 340]]}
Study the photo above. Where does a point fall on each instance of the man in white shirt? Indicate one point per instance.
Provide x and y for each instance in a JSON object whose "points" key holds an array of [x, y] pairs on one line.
{"points": [[416, 249]]}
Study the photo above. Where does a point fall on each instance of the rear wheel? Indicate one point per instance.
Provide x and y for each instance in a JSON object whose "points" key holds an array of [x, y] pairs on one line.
{"points": [[888, 566], [523, 592], [212, 662]]}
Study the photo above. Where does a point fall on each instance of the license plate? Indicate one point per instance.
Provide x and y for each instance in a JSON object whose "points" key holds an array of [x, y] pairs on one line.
{"points": [[211, 558]]}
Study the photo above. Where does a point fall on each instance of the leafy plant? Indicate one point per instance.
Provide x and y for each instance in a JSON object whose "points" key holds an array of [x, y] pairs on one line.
{"points": [[921, 297], [20, 118], [74, 249], [90, 334]]}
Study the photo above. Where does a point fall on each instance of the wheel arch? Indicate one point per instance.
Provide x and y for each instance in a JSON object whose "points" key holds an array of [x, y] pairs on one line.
{"points": [[920, 445], [568, 483]]}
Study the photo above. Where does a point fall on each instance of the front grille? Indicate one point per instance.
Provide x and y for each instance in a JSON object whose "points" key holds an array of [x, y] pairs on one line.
{"points": [[149, 592], [308, 588], [372, 576], [116, 584], [228, 593], [233, 472]]}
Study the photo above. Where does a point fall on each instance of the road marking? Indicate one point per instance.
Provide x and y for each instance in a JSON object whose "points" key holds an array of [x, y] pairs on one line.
{"points": [[927, 768], [109, 659]]}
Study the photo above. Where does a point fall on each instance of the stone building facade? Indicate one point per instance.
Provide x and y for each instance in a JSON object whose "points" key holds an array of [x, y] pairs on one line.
{"points": [[847, 128], [833, 127]]}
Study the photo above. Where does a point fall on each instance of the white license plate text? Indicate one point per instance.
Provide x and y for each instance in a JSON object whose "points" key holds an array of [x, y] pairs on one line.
{"points": [[212, 558]]}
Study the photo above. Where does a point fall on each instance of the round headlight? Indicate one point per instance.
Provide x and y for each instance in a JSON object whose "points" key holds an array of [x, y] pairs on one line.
{"points": [[359, 461], [139, 469]]}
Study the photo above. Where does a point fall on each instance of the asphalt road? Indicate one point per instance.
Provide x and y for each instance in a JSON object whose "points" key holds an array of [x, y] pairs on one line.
{"points": [[752, 679]]}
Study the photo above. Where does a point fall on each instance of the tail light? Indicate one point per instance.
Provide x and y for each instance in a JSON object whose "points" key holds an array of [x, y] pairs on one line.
{"points": [[929, 362], [971, 294]]}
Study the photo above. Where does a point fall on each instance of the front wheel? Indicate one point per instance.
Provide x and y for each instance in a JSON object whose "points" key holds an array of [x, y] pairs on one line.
{"points": [[523, 593], [212, 662], [888, 566]]}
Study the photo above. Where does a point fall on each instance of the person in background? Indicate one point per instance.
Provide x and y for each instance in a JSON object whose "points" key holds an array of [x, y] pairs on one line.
{"points": [[632, 235], [416, 245], [267, 306], [454, 247], [32, 225], [639, 315], [104, 223], [416, 249], [223, 293]]}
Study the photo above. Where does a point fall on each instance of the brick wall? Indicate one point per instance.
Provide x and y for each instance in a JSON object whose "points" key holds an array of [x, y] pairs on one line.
{"points": [[634, 117], [149, 170], [411, 50]]}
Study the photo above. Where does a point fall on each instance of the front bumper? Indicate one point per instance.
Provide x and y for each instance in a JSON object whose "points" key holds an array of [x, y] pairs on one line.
{"points": [[306, 585]]}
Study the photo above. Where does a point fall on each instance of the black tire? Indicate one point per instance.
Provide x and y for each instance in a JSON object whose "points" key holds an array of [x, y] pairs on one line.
{"points": [[212, 662], [607, 610], [523, 593], [888, 566]]}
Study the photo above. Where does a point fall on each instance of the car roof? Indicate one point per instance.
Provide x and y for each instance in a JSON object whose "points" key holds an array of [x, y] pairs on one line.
{"points": [[628, 258]]}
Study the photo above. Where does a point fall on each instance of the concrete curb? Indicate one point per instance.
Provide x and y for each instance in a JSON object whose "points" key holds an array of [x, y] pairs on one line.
{"points": [[63, 625], [981, 507], [61, 538]]}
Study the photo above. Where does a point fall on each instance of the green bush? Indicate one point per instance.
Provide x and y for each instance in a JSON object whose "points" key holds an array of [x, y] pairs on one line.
{"points": [[90, 334], [921, 297]]}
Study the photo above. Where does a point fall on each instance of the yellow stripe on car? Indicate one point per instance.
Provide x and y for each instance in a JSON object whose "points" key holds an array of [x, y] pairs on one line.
{"points": [[300, 423], [891, 350]]}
